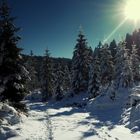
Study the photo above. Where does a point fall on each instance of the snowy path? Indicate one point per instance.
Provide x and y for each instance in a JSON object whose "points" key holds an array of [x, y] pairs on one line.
{"points": [[73, 124], [54, 123], [37, 126]]}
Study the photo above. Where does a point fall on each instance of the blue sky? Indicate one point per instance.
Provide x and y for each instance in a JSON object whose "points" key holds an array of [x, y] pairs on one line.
{"points": [[54, 24]]}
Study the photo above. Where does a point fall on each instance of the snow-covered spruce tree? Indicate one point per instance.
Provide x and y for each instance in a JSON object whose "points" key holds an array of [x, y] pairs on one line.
{"points": [[129, 42], [47, 77], [97, 50], [135, 63], [81, 60], [123, 67], [67, 78], [32, 83], [107, 66], [12, 72], [94, 78], [113, 47], [59, 82]]}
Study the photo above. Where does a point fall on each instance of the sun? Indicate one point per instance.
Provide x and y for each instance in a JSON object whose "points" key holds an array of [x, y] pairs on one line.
{"points": [[132, 10]]}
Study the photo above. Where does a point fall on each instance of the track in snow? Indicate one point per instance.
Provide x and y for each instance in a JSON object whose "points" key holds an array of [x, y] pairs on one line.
{"points": [[50, 122], [37, 126]]}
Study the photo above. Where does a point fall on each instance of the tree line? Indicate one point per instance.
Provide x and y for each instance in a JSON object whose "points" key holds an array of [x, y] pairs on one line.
{"points": [[113, 65]]}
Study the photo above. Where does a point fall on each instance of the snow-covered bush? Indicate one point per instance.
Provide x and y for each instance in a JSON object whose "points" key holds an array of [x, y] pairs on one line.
{"points": [[34, 96], [135, 99], [8, 117]]}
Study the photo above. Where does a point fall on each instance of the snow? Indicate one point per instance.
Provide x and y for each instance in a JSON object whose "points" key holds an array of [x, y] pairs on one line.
{"points": [[100, 119], [35, 126], [8, 117]]}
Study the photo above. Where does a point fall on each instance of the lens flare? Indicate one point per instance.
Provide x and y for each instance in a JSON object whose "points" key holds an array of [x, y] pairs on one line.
{"points": [[132, 10]]}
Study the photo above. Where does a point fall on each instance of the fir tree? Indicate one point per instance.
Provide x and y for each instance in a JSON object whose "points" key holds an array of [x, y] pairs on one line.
{"points": [[59, 83], [135, 63], [66, 78], [95, 78], [129, 42], [32, 83], [107, 66], [97, 50], [13, 74], [47, 77], [59, 92], [113, 47], [80, 65], [123, 67]]}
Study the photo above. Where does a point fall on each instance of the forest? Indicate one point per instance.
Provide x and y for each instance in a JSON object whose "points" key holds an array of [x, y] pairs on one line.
{"points": [[95, 73]]}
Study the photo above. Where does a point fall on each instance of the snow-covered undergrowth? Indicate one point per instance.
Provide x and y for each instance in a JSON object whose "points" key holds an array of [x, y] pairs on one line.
{"points": [[35, 96], [8, 117], [131, 115]]}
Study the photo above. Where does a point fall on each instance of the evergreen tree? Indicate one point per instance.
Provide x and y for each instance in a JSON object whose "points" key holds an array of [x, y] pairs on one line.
{"points": [[32, 83], [97, 50], [129, 42], [80, 65], [107, 66], [47, 77], [13, 74], [66, 78], [136, 39], [95, 78], [113, 47], [59, 92], [123, 67], [59, 82], [135, 63]]}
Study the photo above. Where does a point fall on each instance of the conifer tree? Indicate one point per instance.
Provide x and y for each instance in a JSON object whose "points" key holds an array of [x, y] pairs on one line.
{"points": [[123, 67], [66, 78], [129, 42], [59, 83], [107, 66], [113, 47], [13, 74], [80, 64], [32, 83], [97, 49], [135, 63], [95, 78], [47, 77]]}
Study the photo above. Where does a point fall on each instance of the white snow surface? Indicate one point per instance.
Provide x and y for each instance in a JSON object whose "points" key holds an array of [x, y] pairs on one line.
{"points": [[75, 119], [8, 117]]}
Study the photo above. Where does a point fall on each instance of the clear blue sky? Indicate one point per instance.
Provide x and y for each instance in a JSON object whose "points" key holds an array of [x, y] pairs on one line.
{"points": [[54, 24]]}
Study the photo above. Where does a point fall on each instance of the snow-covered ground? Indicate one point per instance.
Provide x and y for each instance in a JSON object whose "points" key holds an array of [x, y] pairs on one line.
{"points": [[76, 119], [35, 126], [58, 121], [77, 124]]}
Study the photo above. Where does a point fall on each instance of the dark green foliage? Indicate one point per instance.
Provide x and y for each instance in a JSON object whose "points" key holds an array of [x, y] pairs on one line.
{"points": [[59, 93], [81, 60], [12, 72], [106, 64], [113, 47], [19, 106], [95, 78], [33, 81], [47, 77]]}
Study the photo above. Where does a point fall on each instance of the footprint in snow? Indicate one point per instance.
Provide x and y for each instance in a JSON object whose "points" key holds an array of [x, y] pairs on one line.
{"points": [[107, 134]]}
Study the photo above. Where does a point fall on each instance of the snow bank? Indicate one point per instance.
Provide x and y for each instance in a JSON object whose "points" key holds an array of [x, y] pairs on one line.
{"points": [[134, 111], [8, 117], [130, 104], [134, 124]]}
